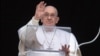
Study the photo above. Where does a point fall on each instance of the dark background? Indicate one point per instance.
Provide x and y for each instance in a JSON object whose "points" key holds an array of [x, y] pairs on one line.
{"points": [[81, 16]]}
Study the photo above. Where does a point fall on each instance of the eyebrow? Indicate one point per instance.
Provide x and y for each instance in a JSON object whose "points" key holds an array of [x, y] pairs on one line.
{"points": [[51, 13]]}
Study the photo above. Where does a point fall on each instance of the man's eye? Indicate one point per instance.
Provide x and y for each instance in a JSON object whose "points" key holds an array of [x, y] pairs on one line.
{"points": [[46, 14], [52, 15]]}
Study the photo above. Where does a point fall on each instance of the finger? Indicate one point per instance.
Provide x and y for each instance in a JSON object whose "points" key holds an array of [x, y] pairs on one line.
{"points": [[68, 46], [42, 4], [45, 4], [39, 5], [65, 46]]}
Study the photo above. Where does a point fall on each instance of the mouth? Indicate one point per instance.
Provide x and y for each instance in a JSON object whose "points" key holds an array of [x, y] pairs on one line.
{"points": [[49, 22]]}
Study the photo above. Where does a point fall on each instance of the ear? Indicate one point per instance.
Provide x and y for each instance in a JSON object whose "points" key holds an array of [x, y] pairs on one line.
{"points": [[57, 20]]}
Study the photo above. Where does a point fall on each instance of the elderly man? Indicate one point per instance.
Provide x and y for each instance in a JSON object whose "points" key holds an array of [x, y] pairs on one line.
{"points": [[53, 40]]}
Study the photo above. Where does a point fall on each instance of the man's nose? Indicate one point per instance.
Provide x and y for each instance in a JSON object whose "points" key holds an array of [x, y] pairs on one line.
{"points": [[49, 17]]}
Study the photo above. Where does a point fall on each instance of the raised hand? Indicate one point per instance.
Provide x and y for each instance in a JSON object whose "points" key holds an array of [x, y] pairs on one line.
{"points": [[40, 10]]}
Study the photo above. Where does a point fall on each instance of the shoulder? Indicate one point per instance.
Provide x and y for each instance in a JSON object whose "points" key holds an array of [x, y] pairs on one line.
{"points": [[21, 29], [62, 31]]}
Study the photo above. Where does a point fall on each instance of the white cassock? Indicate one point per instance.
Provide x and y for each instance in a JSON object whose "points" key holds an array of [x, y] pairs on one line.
{"points": [[39, 39], [52, 40]]}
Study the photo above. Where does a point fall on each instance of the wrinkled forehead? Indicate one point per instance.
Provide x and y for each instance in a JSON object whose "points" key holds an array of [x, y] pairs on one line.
{"points": [[51, 10]]}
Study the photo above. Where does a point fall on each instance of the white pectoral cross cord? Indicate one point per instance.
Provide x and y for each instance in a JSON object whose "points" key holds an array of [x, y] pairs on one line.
{"points": [[49, 36]]}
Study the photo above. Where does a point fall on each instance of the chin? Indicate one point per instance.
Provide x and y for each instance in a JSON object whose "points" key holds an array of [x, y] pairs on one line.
{"points": [[49, 25]]}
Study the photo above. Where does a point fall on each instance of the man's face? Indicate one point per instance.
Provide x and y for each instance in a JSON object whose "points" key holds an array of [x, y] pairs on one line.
{"points": [[50, 17]]}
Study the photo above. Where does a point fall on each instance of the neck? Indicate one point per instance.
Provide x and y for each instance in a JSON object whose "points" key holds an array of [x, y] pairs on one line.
{"points": [[48, 28]]}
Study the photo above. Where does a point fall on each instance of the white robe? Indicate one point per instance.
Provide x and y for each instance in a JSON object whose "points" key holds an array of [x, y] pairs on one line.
{"points": [[34, 39]]}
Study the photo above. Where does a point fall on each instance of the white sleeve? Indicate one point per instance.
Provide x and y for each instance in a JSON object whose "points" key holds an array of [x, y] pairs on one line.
{"points": [[22, 34], [73, 45], [33, 21], [22, 30]]}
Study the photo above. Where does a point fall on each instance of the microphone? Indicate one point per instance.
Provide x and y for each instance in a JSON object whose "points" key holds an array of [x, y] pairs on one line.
{"points": [[89, 42]]}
